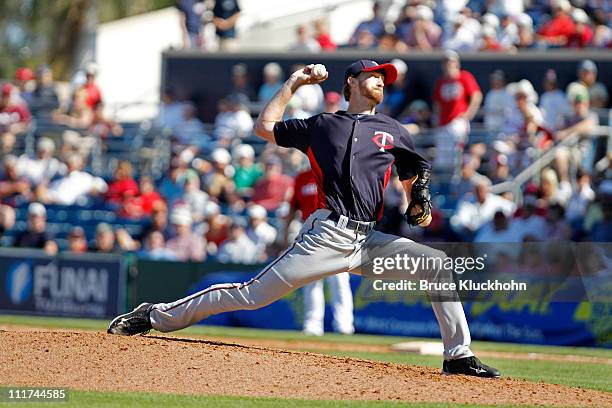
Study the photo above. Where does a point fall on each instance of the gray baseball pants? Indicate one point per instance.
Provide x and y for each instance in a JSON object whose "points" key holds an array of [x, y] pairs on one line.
{"points": [[322, 248]]}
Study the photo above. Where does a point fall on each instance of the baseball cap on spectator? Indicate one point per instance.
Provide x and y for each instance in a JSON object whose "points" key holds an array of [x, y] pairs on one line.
{"points": [[501, 159], [599, 91], [76, 232], [360, 66], [42, 68], [239, 70], [103, 227], [581, 97], [400, 66], [550, 76], [523, 87], [458, 19], [488, 31], [579, 16], [498, 74], [186, 156], [273, 161], [243, 151], [423, 13], [45, 144], [450, 55], [7, 89], [418, 105], [37, 209], [257, 212], [332, 97], [238, 222], [561, 4], [180, 216], [24, 74], [273, 69], [524, 20], [190, 175], [490, 19], [91, 68], [221, 156], [587, 65], [211, 208]]}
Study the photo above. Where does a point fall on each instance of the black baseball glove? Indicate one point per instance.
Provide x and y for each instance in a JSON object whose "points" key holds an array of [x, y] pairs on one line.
{"points": [[419, 196]]}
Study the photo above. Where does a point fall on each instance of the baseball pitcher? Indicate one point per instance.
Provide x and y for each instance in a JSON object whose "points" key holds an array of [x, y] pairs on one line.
{"points": [[351, 153]]}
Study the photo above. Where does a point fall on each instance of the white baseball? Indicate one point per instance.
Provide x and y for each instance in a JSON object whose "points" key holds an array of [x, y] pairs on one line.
{"points": [[319, 71]]}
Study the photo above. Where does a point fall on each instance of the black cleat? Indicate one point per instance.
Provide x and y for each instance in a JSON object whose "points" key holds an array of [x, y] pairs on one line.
{"points": [[135, 322], [469, 366]]}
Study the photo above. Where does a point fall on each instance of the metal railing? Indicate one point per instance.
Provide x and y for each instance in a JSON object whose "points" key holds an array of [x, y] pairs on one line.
{"points": [[534, 169]]}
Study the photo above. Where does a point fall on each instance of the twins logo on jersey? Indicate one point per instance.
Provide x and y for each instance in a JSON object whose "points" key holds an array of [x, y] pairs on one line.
{"points": [[451, 91], [383, 140]]}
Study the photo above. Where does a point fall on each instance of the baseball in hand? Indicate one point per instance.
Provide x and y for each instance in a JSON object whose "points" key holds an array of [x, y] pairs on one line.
{"points": [[319, 71]]}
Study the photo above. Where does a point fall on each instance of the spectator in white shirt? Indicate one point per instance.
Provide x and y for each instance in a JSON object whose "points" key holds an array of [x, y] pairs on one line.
{"points": [[581, 197], [238, 248], [44, 167], [525, 117], [475, 211], [75, 186], [259, 231], [190, 130], [234, 120], [498, 102], [170, 110], [553, 102], [461, 37], [195, 199]]}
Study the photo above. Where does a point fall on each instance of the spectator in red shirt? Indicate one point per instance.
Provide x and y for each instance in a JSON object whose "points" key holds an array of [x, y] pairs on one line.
{"points": [[560, 28], [583, 35], [148, 198], [274, 187], [14, 115], [124, 186], [457, 98], [305, 195], [322, 36], [94, 96]]}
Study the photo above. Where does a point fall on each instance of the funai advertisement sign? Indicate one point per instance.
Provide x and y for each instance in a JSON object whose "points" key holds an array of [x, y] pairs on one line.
{"points": [[62, 286]]}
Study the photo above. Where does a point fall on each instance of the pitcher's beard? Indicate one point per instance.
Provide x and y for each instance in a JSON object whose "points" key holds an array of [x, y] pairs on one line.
{"points": [[374, 95]]}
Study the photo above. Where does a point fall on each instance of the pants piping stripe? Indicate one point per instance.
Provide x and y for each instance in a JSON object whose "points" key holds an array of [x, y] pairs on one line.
{"points": [[240, 286]]}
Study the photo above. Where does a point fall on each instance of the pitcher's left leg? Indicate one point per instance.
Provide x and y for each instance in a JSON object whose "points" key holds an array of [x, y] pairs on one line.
{"points": [[454, 328]]}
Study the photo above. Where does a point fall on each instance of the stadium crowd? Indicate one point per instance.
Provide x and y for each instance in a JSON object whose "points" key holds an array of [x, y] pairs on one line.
{"points": [[228, 197], [499, 25], [460, 25]]}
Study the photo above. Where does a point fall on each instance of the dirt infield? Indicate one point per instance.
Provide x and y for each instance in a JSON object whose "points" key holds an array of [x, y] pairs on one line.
{"points": [[99, 362]]}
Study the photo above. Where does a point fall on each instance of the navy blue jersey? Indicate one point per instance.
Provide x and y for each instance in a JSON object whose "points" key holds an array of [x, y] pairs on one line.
{"points": [[352, 156]]}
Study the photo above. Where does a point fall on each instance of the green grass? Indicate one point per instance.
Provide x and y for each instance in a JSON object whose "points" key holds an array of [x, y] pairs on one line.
{"points": [[88, 399]]}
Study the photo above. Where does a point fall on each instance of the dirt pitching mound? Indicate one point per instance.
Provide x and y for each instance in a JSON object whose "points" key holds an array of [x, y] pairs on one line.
{"points": [[101, 362]]}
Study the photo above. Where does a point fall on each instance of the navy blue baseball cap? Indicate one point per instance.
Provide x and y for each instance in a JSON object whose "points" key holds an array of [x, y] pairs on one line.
{"points": [[360, 66]]}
